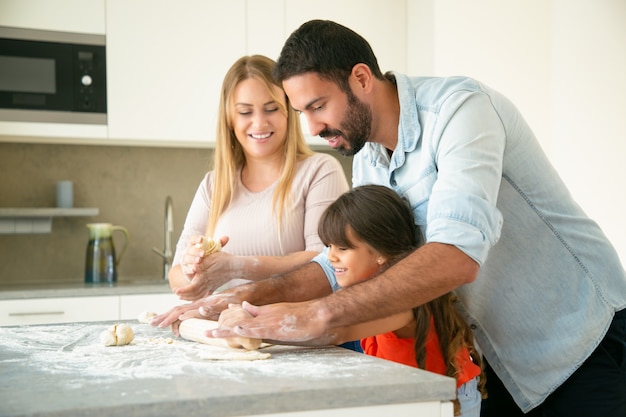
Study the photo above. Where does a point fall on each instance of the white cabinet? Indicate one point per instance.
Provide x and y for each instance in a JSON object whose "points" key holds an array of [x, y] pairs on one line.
{"points": [[270, 22], [81, 16], [133, 305], [165, 64], [58, 310], [83, 309], [166, 59], [77, 16]]}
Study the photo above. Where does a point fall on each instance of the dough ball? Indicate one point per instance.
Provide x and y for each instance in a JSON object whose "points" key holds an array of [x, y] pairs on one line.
{"points": [[209, 245], [108, 338], [117, 335], [146, 316]]}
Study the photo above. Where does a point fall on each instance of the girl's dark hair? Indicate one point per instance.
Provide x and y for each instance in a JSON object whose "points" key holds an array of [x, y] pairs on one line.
{"points": [[377, 215], [454, 333], [326, 48], [382, 219]]}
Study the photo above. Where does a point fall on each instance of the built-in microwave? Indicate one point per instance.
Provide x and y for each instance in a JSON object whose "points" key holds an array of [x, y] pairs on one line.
{"points": [[55, 77]]}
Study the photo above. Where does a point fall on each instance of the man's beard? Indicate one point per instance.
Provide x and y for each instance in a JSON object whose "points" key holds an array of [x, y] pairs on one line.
{"points": [[356, 127]]}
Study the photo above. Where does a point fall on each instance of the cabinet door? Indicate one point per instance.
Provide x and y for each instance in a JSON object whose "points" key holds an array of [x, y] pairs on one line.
{"points": [[82, 16], [165, 65], [381, 23], [133, 305], [58, 310]]}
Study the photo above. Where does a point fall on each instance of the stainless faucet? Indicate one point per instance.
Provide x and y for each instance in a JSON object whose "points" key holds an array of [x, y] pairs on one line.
{"points": [[167, 253]]}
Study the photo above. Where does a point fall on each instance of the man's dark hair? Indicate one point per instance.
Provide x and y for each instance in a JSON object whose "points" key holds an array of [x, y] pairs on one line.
{"points": [[327, 48]]}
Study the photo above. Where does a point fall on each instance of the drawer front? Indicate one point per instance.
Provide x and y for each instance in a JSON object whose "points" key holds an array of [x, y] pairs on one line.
{"points": [[59, 310], [133, 305]]}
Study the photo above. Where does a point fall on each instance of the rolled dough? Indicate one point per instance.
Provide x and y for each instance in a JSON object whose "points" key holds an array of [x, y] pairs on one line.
{"points": [[194, 329]]}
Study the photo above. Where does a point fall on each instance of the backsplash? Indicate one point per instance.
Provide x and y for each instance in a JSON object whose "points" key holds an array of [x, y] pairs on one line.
{"points": [[128, 185]]}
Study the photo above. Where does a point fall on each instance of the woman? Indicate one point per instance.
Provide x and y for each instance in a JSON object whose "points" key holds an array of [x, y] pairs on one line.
{"points": [[266, 192]]}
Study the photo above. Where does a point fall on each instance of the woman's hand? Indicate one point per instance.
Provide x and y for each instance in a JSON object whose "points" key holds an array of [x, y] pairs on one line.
{"points": [[205, 308], [204, 272], [173, 316]]}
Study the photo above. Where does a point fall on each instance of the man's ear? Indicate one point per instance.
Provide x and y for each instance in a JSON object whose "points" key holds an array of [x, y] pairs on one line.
{"points": [[362, 76]]}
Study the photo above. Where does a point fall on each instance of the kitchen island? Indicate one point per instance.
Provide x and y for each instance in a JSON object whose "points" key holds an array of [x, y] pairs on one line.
{"points": [[64, 370]]}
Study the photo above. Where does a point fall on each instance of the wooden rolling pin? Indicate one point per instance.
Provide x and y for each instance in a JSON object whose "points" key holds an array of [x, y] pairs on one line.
{"points": [[194, 330]]}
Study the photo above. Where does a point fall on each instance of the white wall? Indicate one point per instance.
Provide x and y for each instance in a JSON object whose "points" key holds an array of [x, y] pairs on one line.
{"points": [[563, 63]]}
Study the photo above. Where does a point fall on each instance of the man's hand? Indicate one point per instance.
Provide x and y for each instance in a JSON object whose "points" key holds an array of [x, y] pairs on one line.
{"points": [[283, 322]]}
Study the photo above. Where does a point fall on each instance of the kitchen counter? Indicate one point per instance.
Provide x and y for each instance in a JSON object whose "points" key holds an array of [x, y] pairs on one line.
{"points": [[64, 370], [72, 289]]}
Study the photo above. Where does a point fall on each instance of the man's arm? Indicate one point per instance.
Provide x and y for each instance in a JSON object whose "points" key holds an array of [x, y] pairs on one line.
{"points": [[305, 283], [427, 273]]}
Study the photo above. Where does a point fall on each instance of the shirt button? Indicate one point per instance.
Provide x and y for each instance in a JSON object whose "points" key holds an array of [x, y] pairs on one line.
{"points": [[473, 326], [393, 182]]}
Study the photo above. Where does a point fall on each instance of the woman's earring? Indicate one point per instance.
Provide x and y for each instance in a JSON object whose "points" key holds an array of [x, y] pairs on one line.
{"points": [[380, 261]]}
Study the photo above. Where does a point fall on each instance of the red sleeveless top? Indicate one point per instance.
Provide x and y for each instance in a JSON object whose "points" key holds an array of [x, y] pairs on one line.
{"points": [[402, 350]]}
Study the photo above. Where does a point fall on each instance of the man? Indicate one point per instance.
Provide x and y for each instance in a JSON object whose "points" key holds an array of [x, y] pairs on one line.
{"points": [[538, 281]]}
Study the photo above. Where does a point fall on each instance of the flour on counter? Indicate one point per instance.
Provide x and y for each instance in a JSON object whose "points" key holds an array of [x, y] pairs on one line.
{"points": [[76, 347], [75, 350]]}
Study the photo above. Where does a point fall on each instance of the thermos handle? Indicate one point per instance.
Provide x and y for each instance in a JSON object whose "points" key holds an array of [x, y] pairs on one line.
{"points": [[125, 232]]}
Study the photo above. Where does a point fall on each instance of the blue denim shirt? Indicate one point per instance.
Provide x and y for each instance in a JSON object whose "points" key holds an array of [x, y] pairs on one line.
{"points": [[476, 177]]}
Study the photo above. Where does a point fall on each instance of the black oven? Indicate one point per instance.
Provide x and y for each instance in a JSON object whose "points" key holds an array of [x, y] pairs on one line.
{"points": [[50, 76]]}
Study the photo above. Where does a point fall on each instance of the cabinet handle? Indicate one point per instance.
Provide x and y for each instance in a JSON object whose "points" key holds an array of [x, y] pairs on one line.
{"points": [[35, 313]]}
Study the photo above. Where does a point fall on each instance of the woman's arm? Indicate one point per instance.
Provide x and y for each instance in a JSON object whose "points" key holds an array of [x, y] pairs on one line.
{"points": [[212, 271], [323, 181]]}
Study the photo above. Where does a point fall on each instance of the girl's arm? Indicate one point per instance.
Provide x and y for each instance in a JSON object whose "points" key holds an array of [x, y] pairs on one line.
{"points": [[403, 324]]}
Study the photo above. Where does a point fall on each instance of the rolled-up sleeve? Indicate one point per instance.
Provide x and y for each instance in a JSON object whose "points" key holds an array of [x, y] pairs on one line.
{"points": [[322, 260], [468, 148]]}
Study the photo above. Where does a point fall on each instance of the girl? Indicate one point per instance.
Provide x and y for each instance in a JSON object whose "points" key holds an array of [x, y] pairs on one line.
{"points": [[368, 229]]}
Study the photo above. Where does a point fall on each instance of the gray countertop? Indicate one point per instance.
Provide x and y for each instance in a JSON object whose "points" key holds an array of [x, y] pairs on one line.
{"points": [[73, 289], [64, 370]]}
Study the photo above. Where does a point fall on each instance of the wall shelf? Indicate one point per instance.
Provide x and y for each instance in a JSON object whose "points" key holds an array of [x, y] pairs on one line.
{"points": [[23, 220]]}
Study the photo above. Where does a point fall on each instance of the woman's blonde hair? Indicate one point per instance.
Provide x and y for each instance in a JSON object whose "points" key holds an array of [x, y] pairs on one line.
{"points": [[229, 157]]}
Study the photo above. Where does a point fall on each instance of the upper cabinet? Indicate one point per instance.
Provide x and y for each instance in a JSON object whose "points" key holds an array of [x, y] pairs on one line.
{"points": [[73, 16], [81, 16], [165, 65], [382, 23], [166, 59]]}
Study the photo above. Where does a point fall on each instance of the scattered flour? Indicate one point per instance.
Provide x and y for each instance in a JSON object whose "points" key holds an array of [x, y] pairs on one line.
{"points": [[75, 350]]}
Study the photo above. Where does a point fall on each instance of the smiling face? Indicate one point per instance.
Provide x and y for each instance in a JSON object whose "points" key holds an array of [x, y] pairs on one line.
{"points": [[259, 121], [355, 264], [339, 117]]}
